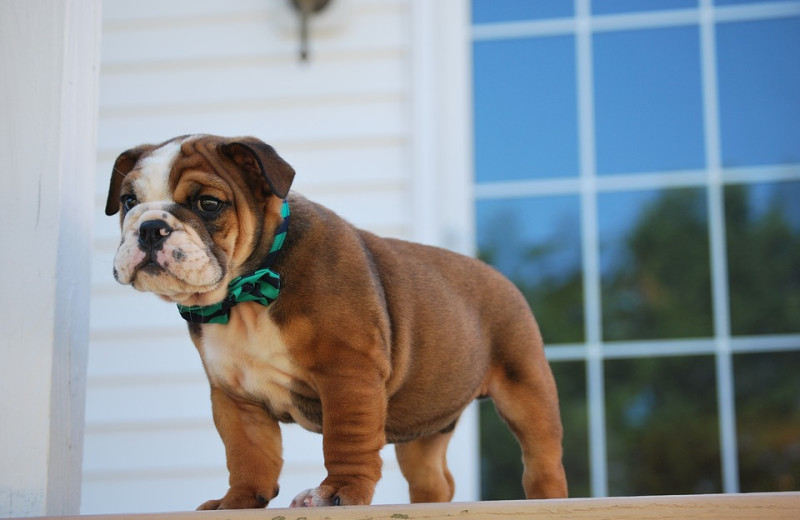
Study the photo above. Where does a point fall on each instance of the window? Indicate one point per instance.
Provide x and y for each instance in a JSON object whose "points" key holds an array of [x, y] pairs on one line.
{"points": [[637, 170]]}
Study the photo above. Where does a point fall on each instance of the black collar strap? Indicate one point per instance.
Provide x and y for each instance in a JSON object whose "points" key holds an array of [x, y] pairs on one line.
{"points": [[261, 286]]}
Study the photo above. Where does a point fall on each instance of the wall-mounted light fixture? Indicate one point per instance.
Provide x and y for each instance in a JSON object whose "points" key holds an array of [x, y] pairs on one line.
{"points": [[305, 10]]}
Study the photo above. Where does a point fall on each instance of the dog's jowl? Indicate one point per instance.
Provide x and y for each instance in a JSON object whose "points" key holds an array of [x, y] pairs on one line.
{"points": [[300, 317]]}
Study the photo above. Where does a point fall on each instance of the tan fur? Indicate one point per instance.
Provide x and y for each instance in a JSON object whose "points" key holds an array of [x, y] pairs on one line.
{"points": [[371, 340]]}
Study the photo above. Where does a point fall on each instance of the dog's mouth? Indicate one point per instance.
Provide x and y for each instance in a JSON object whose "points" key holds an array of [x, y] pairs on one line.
{"points": [[150, 276], [150, 267], [178, 271]]}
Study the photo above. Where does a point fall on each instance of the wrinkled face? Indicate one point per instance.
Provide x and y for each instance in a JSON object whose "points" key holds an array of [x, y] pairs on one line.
{"points": [[187, 222]]}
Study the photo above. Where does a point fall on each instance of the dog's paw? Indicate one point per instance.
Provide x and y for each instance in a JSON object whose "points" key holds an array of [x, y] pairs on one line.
{"points": [[352, 494], [233, 500], [317, 497]]}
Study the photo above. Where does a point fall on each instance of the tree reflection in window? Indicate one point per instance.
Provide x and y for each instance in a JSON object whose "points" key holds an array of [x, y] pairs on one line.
{"points": [[654, 256], [763, 234]]}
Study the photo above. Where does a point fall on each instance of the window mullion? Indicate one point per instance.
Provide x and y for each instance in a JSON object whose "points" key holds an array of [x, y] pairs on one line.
{"points": [[719, 273]]}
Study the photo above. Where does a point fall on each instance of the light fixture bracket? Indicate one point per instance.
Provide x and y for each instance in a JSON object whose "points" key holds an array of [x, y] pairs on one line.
{"points": [[306, 9]]}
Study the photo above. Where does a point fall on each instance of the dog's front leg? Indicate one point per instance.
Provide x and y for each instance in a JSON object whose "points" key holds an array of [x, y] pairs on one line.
{"points": [[353, 433], [252, 441]]}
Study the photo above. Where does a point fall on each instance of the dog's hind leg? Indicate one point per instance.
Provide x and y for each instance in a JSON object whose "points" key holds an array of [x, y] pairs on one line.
{"points": [[526, 398], [424, 465]]}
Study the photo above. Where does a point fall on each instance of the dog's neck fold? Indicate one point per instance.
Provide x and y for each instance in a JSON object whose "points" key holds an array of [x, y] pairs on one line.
{"points": [[262, 285]]}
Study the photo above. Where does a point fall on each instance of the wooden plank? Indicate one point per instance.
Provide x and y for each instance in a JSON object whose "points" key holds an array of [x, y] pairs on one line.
{"points": [[775, 506]]}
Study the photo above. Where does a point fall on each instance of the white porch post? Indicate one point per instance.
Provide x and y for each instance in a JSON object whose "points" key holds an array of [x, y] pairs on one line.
{"points": [[441, 154], [49, 58]]}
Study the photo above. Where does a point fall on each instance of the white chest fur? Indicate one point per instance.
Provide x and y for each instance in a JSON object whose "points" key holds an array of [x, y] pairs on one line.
{"points": [[249, 358]]}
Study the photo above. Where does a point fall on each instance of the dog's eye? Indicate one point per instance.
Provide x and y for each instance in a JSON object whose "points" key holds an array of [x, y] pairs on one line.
{"points": [[128, 202], [209, 205]]}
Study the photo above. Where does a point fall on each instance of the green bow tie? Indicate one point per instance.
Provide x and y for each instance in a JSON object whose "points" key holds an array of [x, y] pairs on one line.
{"points": [[261, 286]]}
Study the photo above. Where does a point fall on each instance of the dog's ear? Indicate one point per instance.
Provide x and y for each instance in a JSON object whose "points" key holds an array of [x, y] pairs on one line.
{"points": [[259, 160], [122, 167]]}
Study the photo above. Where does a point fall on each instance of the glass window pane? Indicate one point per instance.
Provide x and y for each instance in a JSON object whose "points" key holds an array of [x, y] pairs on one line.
{"points": [[536, 243], [501, 458], [763, 235], [622, 6], [736, 2], [491, 11], [571, 380], [759, 81], [648, 101], [654, 261], [525, 109], [768, 420], [662, 431]]}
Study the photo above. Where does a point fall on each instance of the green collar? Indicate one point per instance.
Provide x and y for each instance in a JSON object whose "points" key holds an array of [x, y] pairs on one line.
{"points": [[261, 286]]}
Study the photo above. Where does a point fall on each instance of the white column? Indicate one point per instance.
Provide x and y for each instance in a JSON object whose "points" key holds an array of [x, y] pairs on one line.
{"points": [[441, 162], [441, 125], [49, 58]]}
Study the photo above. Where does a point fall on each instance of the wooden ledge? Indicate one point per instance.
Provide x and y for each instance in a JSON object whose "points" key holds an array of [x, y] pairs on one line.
{"points": [[773, 506]]}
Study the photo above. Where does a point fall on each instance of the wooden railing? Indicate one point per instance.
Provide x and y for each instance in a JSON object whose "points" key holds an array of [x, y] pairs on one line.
{"points": [[760, 506]]}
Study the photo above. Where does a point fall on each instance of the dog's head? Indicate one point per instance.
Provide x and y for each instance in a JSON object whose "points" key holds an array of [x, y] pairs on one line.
{"points": [[195, 212]]}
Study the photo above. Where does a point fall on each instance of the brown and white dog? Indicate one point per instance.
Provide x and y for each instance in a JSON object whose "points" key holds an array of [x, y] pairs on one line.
{"points": [[370, 341]]}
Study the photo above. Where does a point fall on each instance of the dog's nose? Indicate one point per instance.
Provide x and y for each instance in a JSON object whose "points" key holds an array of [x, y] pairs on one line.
{"points": [[152, 234]]}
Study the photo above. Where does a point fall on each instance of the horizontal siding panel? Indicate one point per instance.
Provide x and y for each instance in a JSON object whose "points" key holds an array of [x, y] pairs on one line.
{"points": [[103, 258], [106, 229], [126, 12], [256, 33], [181, 491], [351, 118], [154, 450], [160, 355], [148, 403], [372, 163], [125, 308], [374, 210], [106, 237], [253, 81]]}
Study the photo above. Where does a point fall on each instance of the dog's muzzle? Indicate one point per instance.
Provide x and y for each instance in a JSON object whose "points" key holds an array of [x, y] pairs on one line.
{"points": [[153, 234]]}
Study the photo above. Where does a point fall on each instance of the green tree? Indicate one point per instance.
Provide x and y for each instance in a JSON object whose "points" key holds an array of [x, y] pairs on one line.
{"points": [[763, 262], [662, 288]]}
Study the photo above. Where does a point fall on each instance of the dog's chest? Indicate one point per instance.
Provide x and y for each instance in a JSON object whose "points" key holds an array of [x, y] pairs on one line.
{"points": [[250, 359]]}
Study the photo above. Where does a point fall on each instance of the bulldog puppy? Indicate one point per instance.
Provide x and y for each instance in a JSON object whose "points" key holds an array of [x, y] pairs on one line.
{"points": [[300, 317]]}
